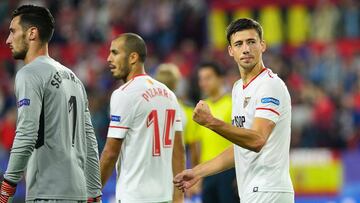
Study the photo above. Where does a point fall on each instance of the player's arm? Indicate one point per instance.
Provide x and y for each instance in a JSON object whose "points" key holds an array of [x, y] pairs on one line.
{"points": [[29, 93], [109, 157], [178, 163], [190, 177], [121, 119], [92, 170], [252, 139], [270, 102]]}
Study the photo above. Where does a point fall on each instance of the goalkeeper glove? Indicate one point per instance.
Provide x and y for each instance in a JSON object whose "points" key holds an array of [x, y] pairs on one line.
{"points": [[7, 191], [92, 199]]}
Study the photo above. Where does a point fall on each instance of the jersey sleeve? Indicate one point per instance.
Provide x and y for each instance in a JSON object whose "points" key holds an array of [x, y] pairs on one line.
{"points": [[269, 101], [92, 170], [178, 126], [29, 91], [121, 115]]}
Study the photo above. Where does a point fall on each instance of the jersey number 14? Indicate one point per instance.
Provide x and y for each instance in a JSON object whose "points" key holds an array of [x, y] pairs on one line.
{"points": [[169, 122]]}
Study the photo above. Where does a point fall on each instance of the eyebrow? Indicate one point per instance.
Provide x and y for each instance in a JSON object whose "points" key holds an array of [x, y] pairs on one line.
{"points": [[249, 39]]}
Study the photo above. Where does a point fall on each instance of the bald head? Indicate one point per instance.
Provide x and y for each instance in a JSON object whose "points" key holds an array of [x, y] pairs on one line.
{"points": [[133, 43]]}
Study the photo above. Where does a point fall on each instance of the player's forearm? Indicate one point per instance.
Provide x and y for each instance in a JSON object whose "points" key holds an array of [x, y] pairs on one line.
{"points": [[246, 138], [178, 160], [109, 156], [21, 151], [107, 164], [222, 162], [178, 164]]}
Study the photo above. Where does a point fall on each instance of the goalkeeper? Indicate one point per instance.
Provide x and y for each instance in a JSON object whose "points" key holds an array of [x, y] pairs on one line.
{"points": [[55, 140]]}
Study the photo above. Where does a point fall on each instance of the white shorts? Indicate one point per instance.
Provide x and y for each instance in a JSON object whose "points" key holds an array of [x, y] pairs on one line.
{"points": [[268, 197]]}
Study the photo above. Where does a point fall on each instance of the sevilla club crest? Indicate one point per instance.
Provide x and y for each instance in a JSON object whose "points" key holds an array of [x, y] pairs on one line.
{"points": [[246, 101]]}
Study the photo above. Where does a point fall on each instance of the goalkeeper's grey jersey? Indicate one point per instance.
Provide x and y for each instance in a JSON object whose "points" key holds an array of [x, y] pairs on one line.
{"points": [[54, 138]]}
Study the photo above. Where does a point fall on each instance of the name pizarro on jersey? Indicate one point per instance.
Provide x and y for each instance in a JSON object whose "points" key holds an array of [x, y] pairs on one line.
{"points": [[59, 76], [238, 121], [155, 92]]}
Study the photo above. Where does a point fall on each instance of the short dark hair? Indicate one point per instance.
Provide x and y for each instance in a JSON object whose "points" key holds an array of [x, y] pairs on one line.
{"points": [[36, 16], [243, 24], [218, 70], [134, 43]]}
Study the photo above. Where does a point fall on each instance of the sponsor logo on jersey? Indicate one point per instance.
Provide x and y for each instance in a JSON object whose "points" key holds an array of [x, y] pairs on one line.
{"points": [[246, 101], [238, 121], [270, 100], [23, 102], [115, 118]]}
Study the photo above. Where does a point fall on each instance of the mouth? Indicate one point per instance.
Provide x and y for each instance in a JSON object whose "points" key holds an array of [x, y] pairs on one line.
{"points": [[246, 58], [112, 67]]}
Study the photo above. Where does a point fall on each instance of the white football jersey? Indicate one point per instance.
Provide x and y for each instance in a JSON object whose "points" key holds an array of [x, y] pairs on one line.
{"points": [[145, 114], [265, 96]]}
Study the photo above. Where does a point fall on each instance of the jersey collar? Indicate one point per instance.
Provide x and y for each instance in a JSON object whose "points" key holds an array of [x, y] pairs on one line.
{"points": [[244, 86], [138, 75]]}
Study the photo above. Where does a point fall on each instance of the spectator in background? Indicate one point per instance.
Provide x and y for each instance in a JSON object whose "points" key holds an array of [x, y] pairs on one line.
{"points": [[323, 119], [324, 21], [7, 129], [221, 187], [355, 103], [350, 19]]}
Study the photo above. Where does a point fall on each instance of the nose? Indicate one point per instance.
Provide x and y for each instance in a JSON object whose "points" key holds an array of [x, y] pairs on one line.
{"points": [[246, 48], [8, 41], [109, 58]]}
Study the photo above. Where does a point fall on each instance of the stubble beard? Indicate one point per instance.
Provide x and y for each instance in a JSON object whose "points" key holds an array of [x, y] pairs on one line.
{"points": [[21, 54], [248, 67], [123, 74]]}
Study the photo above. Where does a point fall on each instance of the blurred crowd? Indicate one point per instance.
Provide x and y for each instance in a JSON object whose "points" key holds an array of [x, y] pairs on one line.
{"points": [[321, 68]]}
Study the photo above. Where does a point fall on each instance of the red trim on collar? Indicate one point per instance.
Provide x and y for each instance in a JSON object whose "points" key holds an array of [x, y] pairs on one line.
{"points": [[128, 82], [244, 86]]}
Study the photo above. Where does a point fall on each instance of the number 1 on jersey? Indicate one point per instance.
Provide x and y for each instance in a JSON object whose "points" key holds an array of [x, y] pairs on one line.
{"points": [[169, 122], [73, 108]]}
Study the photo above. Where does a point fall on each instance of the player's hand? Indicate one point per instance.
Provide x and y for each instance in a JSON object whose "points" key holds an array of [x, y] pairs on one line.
{"points": [[185, 180], [7, 191], [194, 190], [202, 113], [94, 199]]}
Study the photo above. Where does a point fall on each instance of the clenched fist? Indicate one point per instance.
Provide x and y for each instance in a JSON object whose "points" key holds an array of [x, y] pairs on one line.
{"points": [[202, 113]]}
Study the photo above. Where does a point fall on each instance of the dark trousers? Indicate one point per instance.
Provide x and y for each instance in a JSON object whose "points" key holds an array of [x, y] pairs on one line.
{"points": [[220, 188]]}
